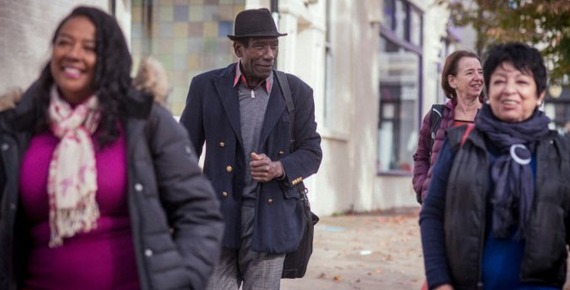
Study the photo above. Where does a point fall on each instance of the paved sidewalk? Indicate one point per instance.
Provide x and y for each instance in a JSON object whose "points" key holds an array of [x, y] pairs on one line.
{"points": [[368, 251]]}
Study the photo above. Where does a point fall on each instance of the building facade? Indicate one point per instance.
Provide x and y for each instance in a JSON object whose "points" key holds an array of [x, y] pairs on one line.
{"points": [[374, 66]]}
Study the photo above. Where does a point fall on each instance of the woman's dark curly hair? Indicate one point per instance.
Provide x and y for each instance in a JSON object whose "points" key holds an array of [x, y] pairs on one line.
{"points": [[523, 57], [112, 80]]}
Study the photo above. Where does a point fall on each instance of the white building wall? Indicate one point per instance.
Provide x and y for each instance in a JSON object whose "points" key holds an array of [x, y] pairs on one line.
{"points": [[347, 179], [302, 52], [435, 22], [26, 28], [361, 37]]}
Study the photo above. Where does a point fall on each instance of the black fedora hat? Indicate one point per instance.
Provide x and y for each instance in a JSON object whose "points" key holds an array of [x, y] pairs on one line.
{"points": [[255, 23]]}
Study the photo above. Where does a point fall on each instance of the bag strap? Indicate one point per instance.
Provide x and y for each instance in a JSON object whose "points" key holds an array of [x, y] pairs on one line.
{"points": [[468, 130], [286, 92]]}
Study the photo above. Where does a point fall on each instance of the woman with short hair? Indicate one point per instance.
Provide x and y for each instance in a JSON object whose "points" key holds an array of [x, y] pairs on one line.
{"points": [[496, 215]]}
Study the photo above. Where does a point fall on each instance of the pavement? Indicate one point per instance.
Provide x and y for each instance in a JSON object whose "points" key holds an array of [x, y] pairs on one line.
{"points": [[365, 251]]}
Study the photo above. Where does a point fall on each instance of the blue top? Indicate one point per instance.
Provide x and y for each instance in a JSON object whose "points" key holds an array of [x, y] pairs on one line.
{"points": [[502, 257]]}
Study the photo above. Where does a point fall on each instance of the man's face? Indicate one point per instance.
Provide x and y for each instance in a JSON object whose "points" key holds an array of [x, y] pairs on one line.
{"points": [[258, 58]]}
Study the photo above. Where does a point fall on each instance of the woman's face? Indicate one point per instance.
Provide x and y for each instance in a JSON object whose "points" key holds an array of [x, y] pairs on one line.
{"points": [[513, 94], [468, 82], [73, 59]]}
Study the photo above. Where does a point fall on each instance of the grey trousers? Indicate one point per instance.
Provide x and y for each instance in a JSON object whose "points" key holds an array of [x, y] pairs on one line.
{"points": [[246, 268]]}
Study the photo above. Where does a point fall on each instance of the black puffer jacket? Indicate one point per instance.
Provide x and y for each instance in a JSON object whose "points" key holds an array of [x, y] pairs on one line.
{"points": [[176, 223], [547, 237]]}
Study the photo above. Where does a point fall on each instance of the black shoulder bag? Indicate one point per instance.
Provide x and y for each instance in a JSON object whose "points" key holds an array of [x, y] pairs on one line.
{"points": [[295, 264]]}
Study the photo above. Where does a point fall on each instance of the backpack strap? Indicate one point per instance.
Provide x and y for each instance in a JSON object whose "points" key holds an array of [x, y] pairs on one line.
{"points": [[435, 121], [436, 116]]}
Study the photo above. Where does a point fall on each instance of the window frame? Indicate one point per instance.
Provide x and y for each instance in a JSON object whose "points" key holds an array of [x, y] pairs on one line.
{"points": [[388, 31]]}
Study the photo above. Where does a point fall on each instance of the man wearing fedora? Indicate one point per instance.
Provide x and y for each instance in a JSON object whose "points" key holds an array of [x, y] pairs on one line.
{"points": [[241, 115]]}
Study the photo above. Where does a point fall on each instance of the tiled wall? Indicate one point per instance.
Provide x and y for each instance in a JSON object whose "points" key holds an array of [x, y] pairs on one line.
{"points": [[187, 36]]}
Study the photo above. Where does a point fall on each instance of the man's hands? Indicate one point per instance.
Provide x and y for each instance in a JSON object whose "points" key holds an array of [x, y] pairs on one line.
{"points": [[263, 169]]}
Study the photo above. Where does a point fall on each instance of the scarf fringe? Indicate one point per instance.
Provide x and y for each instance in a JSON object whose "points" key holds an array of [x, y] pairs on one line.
{"points": [[67, 222]]}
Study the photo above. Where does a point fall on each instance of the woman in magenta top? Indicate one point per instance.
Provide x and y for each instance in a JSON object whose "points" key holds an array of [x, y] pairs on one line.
{"points": [[101, 188]]}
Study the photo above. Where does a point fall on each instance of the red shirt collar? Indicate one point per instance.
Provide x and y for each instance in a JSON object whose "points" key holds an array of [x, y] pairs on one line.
{"points": [[241, 78]]}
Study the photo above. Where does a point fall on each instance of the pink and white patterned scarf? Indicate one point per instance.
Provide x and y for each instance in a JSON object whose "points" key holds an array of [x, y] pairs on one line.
{"points": [[72, 179]]}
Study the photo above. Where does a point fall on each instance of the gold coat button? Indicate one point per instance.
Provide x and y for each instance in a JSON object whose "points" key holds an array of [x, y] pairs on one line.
{"points": [[229, 168], [222, 144], [225, 194]]}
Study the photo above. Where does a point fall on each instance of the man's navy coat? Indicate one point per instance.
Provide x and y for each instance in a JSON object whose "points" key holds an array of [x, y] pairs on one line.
{"points": [[212, 115]]}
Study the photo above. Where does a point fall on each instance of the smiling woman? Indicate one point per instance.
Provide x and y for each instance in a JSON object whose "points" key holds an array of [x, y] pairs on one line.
{"points": [[106, 185], [462, 83], [490, 217]]}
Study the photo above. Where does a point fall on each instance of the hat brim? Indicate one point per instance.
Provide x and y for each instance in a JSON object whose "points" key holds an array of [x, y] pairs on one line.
{"points": [[234, 37]]}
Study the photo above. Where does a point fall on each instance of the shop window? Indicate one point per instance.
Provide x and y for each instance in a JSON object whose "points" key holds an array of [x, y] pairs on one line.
{"points": [[399, 95], [400, 87], [416, 23]]}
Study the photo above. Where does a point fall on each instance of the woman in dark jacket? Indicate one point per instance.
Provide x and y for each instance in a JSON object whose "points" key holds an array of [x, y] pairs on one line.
{"points": [[100, 186], [462, 83], [497, 212]]}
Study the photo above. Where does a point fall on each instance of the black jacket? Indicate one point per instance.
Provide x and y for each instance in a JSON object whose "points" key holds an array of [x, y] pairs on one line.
{"points": [[212, 116], [544, 259], [175, 218]]}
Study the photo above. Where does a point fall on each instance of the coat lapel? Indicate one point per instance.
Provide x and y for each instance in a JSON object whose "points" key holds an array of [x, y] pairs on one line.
{"points": [[229, 99], [275, 109]]}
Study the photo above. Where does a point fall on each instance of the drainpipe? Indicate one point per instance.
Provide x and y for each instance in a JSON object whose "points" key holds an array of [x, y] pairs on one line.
{"points": [[274, 8]]}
